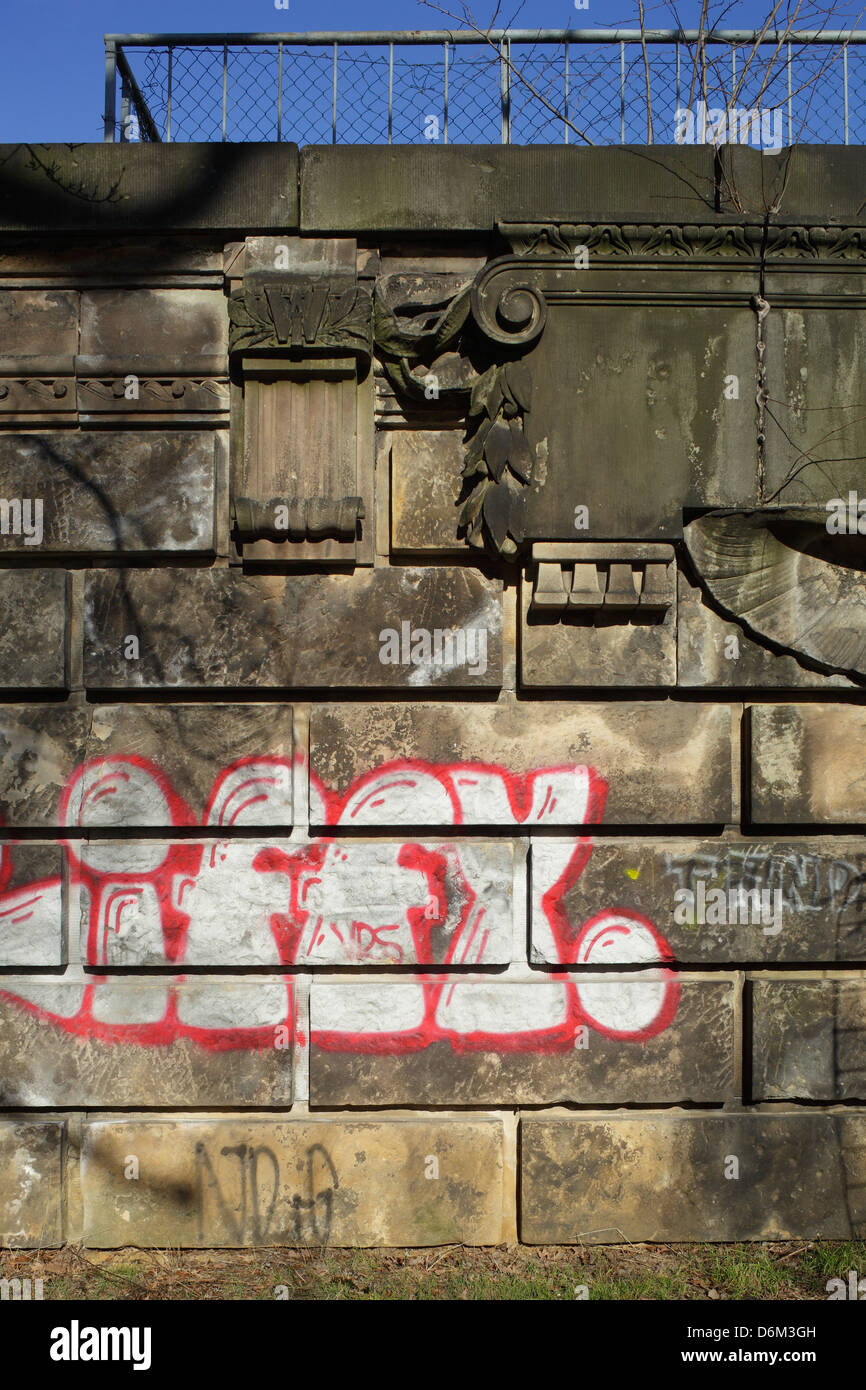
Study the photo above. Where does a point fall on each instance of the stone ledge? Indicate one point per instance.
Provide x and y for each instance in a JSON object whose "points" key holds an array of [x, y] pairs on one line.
{"points": [[145, 187]]}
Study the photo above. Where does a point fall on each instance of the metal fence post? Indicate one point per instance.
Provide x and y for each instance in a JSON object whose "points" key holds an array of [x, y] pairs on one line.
{"points": [[124, 110], [225, 85], [168, 103], [110, 119], [279, 92], [445, 113], [622, 94], [504, 93], [565, 122], [334, 102], [390, 90], [845, 85]]}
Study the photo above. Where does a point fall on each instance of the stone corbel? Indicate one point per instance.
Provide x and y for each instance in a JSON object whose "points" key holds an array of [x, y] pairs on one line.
{"points": [[300, 339]]}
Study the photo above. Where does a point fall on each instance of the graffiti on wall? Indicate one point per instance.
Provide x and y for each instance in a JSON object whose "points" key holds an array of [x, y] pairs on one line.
{"points": [[316, 902]]}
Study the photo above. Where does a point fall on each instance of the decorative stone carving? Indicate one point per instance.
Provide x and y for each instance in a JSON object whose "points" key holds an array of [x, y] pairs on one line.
{"points": [[282, 313], [297, 518], [787, 582], [301, 334], [452, 348], [616, 578], [636, 241]]}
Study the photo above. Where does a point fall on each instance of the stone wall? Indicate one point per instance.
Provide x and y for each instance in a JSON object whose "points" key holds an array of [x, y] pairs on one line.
{"points": [[433, 798]]}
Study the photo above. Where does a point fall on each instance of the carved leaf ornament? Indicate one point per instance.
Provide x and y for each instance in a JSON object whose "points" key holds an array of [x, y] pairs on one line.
{"points": [[492, 318]]}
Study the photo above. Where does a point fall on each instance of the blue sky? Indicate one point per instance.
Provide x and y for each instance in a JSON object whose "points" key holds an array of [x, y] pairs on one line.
{"points": [[52, 57]]}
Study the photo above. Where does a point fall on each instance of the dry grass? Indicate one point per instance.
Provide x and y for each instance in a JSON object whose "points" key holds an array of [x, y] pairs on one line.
{"points": [[778, 1270]]}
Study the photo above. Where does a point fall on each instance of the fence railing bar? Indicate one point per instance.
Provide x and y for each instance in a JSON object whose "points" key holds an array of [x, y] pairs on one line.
{"points": [[146, 124], [334, 102], [565, 102], [845, 88], [622, 93], [124, 110], [110, 116], [445, 111], [168, 106], [390, 90], [790, 102], [504, 92], [225, 86], [416, 37], [279, 92]]}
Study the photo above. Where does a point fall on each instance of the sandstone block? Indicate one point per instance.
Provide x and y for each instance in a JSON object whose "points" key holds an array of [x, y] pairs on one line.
{"points": [[637, 1039], [32, 905], [39, 325], [145, 1042], [426, 481], [252, 902], [730, 1177], [33, 629], [171, 326], [405, 628], [107, 491], [808, 1039], [30, 1183], [470, 187], [552, 763], [348, 1181], [699, 901], [146, 765], [561, 647], [805, 764]]}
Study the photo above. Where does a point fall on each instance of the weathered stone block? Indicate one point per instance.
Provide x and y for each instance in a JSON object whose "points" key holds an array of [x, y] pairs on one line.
{"points": [[39, 324], [605, 372], [805, 766], [172, 326], [659, 763], [381, 628], [145, 1042], [144, 186], [107, 491], [146, 765], [633, 1178], [566, 646], [30, 1183], [230, 764], [349, 1181], [426, 481], [462, 187], [33, 629], [802, 183], [356, 1182], [339, 902], [632, 1040], [712, 651], [808, 1040], [695, 901], [32, 905], [40, 745], [817, 432]]}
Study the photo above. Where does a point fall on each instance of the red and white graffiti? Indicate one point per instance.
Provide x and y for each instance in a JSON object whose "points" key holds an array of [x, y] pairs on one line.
{"points": [[324, 902]]}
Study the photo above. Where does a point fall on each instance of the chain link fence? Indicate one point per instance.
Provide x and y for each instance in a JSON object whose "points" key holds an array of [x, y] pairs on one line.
{"points": [[517, 88]]}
